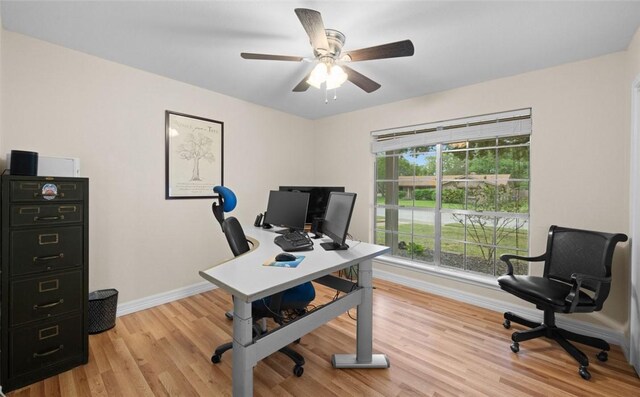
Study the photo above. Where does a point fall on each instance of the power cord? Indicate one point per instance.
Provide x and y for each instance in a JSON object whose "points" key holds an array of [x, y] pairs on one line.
{"points": [[353, 239], [277, 316], [351, 274]]}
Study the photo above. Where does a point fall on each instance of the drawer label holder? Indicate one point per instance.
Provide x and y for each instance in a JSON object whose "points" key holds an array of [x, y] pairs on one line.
{"points": [[48, 332]]}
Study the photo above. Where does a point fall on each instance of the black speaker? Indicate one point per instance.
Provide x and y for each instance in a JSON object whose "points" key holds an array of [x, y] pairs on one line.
{"points": [[24, 163], [316, 227]]}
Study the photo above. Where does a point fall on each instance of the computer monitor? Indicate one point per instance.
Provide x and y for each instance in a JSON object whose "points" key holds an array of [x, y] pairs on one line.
{"points": [[337, 219], [287, 209], [318, 197]]}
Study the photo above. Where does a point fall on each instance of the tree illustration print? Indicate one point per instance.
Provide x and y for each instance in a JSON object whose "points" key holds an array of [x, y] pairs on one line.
{"points": [[196, 147]]}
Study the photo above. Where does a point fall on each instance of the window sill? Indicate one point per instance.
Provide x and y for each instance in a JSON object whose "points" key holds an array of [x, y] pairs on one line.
{"points": [[469, 278]]}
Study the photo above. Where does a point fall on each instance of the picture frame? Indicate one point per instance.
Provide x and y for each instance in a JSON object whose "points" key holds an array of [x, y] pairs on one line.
{"points": [[193, 156]]}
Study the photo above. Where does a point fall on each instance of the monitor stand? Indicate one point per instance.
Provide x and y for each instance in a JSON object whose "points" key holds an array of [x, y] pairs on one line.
{"points": [[332, 246]]}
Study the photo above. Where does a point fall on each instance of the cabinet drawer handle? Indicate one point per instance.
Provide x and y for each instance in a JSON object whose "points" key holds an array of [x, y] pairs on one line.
{"points": [[50, 352], [48, 218], [48, 258], [48, 305]]}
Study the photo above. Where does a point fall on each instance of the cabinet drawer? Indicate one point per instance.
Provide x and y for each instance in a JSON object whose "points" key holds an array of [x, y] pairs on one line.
{"points": [[45, 296], [45, 249], [39, 191], [36, 214], [42, 345]]}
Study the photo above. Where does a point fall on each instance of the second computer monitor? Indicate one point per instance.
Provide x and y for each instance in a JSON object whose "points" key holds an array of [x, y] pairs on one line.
{"points": [[318, 197], [337, 219], [287, 209]]}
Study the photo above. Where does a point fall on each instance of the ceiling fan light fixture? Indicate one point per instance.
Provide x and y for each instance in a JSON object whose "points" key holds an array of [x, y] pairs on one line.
{"points": [[318, 75], [327, 45], [336, 78]]}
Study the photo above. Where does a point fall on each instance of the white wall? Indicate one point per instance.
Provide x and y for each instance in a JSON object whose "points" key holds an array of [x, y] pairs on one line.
{"points": [[634, 310], [62, 102], [579, 155]]}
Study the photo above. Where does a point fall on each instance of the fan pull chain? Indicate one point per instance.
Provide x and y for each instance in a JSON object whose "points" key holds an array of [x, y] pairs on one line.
{"points": [[326, 94]]}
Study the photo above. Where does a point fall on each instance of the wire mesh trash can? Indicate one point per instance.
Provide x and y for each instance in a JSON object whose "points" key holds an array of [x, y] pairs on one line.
{"points": [[102, 310]]}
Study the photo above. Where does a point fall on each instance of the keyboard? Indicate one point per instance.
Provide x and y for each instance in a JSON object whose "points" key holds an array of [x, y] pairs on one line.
{"points": [[294, 241], [295, 236]]}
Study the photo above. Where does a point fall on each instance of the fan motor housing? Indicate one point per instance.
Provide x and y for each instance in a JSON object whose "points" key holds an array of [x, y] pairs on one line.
{"points": [[336, 40]]}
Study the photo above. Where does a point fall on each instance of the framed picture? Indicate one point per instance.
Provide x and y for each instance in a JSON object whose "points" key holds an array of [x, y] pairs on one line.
{"points": [[193, 153]]}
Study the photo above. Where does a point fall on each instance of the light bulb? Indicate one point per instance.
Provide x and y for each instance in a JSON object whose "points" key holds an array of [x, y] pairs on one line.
{"points": [[318, 75], [336, 78]]}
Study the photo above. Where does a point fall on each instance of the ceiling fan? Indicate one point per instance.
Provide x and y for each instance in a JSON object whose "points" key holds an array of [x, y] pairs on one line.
{"points": [[327, 50]]}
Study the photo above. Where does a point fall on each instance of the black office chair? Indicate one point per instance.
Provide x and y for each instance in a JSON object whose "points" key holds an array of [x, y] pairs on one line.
{"points": [[293, 299], [576, 279]]}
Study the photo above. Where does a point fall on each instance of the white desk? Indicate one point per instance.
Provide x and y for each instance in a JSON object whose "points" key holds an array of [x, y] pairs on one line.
{"points": [[247, 280]]}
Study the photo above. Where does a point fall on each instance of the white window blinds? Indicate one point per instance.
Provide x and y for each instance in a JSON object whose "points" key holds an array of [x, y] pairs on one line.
{"points": [[517, 122]]}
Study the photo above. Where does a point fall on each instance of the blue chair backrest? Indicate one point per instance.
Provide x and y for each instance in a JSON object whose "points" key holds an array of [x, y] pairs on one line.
{"points": [[225, 202]]}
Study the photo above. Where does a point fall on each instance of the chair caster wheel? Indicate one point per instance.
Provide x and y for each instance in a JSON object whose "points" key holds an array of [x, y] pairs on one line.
{"points": [[215, 358], [506, 323], [515, 347], [584, 372], [298, 370], [602, 356]]}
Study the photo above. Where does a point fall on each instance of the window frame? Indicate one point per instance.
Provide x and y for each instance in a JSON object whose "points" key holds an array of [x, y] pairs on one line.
{"points": [[436, 266]]}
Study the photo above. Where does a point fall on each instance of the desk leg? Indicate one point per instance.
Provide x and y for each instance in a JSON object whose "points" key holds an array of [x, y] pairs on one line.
{"points": [[364, 357], [242, 370]]}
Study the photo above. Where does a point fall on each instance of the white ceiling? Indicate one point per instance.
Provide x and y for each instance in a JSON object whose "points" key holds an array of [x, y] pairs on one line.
{"points": [[456, 43]]}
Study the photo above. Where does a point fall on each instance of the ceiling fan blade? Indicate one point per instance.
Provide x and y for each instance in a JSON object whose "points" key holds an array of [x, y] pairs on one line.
{"points": [[391, 50], [302, 85], [361, 80], [268, 57], [312, 23]]}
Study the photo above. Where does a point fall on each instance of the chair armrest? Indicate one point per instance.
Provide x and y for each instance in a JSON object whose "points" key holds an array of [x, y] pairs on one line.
{"points": [[577, 279], [506, 258]]}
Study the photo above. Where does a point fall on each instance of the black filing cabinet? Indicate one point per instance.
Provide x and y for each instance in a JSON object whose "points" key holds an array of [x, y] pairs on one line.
{"points": [[44, 278]]}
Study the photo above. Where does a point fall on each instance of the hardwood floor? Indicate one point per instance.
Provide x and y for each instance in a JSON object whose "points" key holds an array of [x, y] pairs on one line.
{"points": [[437, 347]]}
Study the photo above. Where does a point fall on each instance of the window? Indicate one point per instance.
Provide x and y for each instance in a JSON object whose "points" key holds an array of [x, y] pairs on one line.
{"points": [[455, 194]]}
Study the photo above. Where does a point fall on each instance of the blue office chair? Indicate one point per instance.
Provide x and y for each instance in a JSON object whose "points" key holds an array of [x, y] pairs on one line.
{"points": [[294, 299]]}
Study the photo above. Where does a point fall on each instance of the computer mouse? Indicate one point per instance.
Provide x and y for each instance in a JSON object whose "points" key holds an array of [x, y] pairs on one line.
{"points": [[285, 257]]}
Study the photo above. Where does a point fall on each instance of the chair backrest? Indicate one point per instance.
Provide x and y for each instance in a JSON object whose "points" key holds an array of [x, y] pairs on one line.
{"points": [[235, 236], [588, 252], [225, 202]]}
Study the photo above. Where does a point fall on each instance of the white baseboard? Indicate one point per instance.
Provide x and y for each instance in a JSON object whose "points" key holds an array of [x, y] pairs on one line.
{"points": [[573, 325], [162, 298], [581, 327]]}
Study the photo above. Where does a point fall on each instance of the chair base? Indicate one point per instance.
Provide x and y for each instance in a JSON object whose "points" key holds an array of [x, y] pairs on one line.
{"points": [[296, 357], [561, 336]]}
